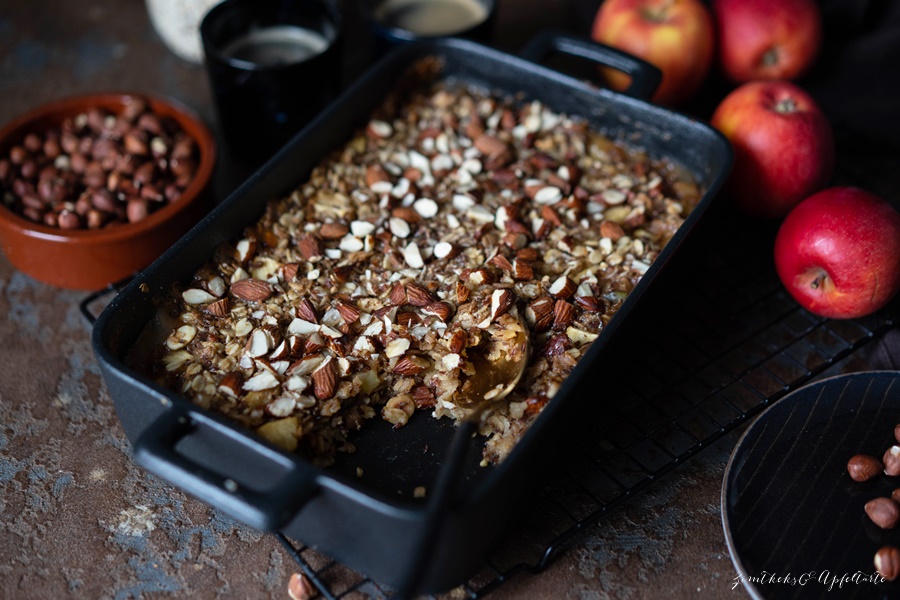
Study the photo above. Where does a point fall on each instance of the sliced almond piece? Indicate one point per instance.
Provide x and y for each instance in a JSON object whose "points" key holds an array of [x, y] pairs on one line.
{"points": [[181, 337], [413, 256], [259, 343], [333, 231], [411, 365], [501, 301], [611, 230], [563, 314], [264, 380], [231, 384], [445, 250], [251, 290], [325, 380], [563, 287], [219, 308], [426, 207], [396, 347], [399, 227], [310, 246], [197, 296], [441, 310], [418, 295]]}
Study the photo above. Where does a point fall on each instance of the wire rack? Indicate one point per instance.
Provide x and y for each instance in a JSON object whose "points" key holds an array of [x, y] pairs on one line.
{"points": [[719, 340], [715, 342]]}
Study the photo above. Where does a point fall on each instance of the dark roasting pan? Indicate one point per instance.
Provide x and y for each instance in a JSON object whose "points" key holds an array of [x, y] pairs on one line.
{"points": [[374, 524]]}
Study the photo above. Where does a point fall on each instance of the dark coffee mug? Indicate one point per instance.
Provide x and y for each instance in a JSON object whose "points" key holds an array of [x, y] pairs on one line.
{"points": [[272, 66], [398, 21]]}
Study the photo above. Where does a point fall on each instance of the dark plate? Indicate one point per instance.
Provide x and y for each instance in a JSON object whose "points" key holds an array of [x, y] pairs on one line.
{"points": [[794, 520]]}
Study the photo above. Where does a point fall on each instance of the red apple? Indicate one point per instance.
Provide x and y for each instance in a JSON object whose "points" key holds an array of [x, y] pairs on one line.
{"points": [[677, 36], [767, 39], [838, 253], [783, 146]]}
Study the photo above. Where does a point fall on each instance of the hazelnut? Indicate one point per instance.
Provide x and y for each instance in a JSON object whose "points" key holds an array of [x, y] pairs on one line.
{"points": [[891, 460], [895, 495], [887, 562], [863, 467], [884, 512], [300, 588], [137, 210], [68, 219], [98, 163]]}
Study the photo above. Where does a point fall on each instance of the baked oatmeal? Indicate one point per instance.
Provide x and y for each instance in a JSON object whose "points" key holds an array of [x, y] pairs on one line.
{"points": [[454, 216]]}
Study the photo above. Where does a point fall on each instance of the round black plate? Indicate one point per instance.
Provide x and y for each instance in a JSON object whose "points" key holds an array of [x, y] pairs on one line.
{"points": [[794, 520]]}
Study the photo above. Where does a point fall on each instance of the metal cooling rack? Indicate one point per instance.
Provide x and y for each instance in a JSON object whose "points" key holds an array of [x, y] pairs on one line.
{"points": [[719, 341], [723, 341]]}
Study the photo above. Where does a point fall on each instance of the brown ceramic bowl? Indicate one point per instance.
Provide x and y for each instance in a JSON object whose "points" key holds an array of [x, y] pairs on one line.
{"points": [[91, 259]]}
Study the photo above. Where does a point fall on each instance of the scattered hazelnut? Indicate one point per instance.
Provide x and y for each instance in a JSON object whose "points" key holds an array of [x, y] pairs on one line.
{"points": [[300, 588], [891, 460], [887, 562], [863, 467], [884, 512]]}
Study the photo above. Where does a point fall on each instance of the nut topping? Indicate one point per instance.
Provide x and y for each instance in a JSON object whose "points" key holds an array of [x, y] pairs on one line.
{"points": [[251, 290], [418, 295], [231, 384], [375, 287], [324, 380], [501, 262], [333, 231], [410, 365], [522, 270], [398, 294], [611, 230], [562, 288], [563, 314], [310, 247], [219, 308], [349, 312], [306, 311], [501, 301], [441, 310]]}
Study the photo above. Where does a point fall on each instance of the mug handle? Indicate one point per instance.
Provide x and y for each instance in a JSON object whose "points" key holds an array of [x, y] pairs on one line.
{"points": [[645, 78], [269, 510]]}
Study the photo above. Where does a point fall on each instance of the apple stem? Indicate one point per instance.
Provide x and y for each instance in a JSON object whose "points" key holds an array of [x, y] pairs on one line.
{"points": [[818, 281], [770, 58], [787, 105], [657, 14]]}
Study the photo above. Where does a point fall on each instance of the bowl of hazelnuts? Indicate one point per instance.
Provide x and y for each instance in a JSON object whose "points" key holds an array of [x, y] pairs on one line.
{"points": [[93, 188]]}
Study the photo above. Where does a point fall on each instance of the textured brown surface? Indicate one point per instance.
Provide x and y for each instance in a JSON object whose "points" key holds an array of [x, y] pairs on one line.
{"points": [[78, 519]]}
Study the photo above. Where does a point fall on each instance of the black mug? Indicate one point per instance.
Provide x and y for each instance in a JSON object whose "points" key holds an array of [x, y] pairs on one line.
{"points": [[399, 21], [272, 66]]}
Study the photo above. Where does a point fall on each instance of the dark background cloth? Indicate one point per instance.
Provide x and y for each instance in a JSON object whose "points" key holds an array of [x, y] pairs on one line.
{"points": [[857, 74]]}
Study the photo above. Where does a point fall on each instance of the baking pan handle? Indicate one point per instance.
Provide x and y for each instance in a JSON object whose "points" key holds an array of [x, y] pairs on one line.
{"points": [[155, 450], [645, 78]]}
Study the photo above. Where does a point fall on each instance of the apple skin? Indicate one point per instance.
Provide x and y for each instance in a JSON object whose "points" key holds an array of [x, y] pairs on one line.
{"points": [[838, 253], [783, 144], [676, 36], [767, 39]]}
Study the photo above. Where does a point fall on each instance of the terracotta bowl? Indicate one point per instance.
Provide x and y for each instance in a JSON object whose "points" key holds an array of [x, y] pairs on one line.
{"points": [[92, 259]]}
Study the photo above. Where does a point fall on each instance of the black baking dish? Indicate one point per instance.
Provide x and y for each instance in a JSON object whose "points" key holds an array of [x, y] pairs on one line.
{"points": [[434, 544]]}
